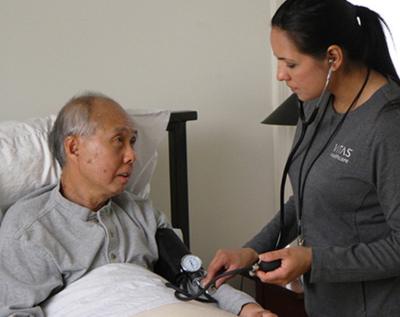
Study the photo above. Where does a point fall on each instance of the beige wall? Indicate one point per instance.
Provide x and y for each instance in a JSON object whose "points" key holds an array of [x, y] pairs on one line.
{"points": [[212, 56]]}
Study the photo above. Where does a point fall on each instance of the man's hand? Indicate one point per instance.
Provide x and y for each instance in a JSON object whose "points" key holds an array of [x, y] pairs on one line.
{"points": [[255, 310], [295, 262]]}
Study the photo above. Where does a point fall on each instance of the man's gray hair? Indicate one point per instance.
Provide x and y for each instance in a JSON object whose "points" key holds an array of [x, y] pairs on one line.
{"points": [[74, 119]]}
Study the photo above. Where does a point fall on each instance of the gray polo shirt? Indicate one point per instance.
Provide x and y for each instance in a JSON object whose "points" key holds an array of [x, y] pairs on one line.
{"points": [[47, 242]]}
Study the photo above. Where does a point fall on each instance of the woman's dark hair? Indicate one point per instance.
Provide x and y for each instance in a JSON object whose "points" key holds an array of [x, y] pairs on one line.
{"points": [[314, 25]]}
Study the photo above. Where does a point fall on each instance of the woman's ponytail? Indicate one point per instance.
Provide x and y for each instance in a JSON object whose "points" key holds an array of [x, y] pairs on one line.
{"points": [[375, 51]]}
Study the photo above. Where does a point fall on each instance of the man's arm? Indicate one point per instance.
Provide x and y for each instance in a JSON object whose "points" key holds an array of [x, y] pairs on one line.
{"points": [[239, 303], [28, 275]]}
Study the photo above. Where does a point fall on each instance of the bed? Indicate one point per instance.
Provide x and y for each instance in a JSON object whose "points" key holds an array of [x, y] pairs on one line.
{"points": [[106, 291]]}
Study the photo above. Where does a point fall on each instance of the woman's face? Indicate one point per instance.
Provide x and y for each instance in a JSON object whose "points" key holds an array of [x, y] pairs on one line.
{"points": [[304, 75]]}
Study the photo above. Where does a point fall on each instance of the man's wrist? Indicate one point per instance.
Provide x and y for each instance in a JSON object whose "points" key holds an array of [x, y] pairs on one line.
{"points": [[246, 307]]}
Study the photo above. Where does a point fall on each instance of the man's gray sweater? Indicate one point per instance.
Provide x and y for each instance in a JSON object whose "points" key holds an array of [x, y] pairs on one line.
{"points": [[48, 242]]}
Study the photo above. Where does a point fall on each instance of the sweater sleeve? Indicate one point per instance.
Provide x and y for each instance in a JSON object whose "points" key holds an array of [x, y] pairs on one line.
{"points": [[231, 299], [28, 276], [379, 258], [266, 239]]}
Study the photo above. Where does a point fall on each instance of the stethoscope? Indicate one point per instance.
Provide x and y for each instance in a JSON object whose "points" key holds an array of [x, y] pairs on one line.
{"points": [[193, 273], [191, 276], [305, 123], [204, 292]]}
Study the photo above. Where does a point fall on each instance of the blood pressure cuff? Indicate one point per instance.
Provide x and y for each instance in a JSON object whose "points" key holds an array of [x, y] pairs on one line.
{"points": [[171, 249]]}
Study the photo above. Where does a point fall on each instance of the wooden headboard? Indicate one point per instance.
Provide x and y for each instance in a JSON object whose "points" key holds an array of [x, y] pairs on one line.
{"points": [[178, 174]]}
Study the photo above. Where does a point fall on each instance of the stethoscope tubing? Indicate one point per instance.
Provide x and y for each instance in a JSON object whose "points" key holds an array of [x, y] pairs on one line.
{"points": [[305, 123]]}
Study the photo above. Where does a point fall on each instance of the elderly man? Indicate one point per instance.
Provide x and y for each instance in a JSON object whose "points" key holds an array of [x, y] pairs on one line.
{"points": [[57, 234]]}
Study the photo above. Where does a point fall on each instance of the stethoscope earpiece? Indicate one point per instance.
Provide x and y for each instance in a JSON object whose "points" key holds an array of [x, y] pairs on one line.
{"points": [[331, 61]]}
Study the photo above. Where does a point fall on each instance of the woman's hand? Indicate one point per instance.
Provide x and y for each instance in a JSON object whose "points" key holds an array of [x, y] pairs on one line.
{"points": [[227, 260], [255, 310], [295, 262]]}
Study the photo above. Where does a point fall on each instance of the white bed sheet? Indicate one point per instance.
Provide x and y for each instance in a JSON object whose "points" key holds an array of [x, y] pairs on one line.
{"points": [[123, 290]]}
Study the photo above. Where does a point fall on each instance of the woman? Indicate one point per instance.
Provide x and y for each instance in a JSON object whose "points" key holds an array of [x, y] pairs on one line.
{"points": [[345, 167]]}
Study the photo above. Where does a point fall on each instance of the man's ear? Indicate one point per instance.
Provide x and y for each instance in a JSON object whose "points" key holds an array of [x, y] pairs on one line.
{"points": [[71, 148]]}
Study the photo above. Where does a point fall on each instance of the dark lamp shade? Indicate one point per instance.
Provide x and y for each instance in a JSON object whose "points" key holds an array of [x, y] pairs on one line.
{"points": [[285, 114]]}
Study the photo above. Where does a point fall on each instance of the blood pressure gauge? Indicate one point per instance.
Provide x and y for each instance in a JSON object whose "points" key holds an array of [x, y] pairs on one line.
{"points": [[191, 263]]}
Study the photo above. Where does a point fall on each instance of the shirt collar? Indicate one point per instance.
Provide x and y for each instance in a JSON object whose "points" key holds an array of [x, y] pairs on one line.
{"points": [[73, 209]]}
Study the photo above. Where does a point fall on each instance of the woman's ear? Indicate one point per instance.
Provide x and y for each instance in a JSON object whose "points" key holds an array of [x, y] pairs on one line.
{"points": [[335, 57], [71, 148]]}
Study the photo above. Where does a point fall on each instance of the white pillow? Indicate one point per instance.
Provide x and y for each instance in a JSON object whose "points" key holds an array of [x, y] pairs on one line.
{"points": [[123, 289], [26, 163]]}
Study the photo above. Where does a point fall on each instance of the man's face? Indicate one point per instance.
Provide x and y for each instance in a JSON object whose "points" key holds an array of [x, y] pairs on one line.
{"points": [[106, 158]]}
